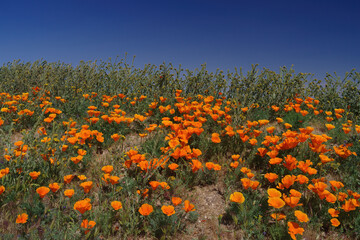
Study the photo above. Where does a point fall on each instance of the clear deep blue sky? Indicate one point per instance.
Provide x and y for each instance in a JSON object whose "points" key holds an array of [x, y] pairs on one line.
{"points": [[314, 36]]}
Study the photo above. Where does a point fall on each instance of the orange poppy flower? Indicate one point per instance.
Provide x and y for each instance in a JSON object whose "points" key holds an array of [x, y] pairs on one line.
{"points": [[349, 205], [270, 129], [176, 200], [288, 180], [237, 197], [246, 183], [114, 180], [68, 178], [34, 175], [253, 141], [209, 165], [81, 152], [173, 166], [294, 229], [82, 177], [336, 185], [146, 209], [87, 225], [279, 120], [329, 126], [87, 186], [154, 184], [275, 160], [2, 189], [292, 201], [275, 108], [42, 191], [271, 177], [278, 216], [69, 193], [276, 202], [188, 207], [272, 192], [107, 169], [22, 218], [290, 162], [234, 164], [254, 184], [116, 205], [263, 122], [215, 138], [302, 179], [335, 222], [302, 217], [168, 210], [333, 212], [195, 165], [76, 159], [164, 185], [83, 205], [54, 187]]}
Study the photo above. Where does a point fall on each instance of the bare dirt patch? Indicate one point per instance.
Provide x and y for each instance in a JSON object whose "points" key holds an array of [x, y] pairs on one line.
{"points": [[210, 203]]}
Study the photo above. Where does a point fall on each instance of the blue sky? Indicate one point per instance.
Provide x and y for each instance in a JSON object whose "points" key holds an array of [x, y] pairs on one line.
{"points": [[314, 36]]}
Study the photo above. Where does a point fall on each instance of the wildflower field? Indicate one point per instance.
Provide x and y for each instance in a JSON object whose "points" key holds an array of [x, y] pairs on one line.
{"points": [[104, 150]]}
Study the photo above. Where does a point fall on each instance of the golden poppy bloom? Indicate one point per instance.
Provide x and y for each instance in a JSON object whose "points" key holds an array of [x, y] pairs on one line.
{"points": [[87, 186], [146, 209], [81, 152], [209, 165], [195, 165], [288, 180], [34, 175], [234, 164], [68, 178], [107, 169], [271, 177], [2, 189], [82, 177], [246, 183], [294, 229], [114, 179], [22, 218], [302, 217], [54, 187], [188, 207], [168, 210], [87, 225], [329, 126], [253, 141], [69, 193], [278, 216], [237, 197], [116, 205], [270, 129], [272, 192], [176, 200], [334, 213], [154, 184], [215, 138], [64, 148], [83, 205], [173, 166], [42, 191], [76, 159], [276, 202], [335, 222]]}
